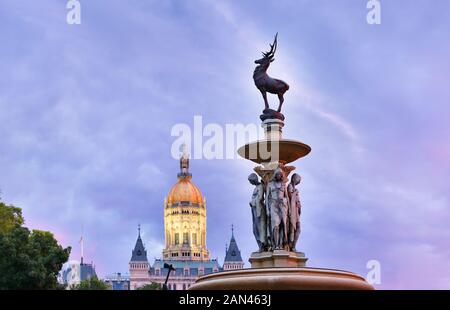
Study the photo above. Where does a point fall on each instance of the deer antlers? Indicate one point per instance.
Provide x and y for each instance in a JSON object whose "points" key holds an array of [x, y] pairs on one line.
{"points": [[273, 48]]}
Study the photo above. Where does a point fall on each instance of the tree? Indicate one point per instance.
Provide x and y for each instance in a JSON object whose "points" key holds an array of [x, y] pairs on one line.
{"points": [[92, 283], [151, 286], [29, 259], [10, 217]]}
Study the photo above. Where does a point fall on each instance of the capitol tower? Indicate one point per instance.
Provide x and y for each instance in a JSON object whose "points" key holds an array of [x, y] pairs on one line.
{"points": [[185, 219]]}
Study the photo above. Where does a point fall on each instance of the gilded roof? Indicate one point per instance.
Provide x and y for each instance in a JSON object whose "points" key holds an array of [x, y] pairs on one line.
{"points": [[185, 191]]}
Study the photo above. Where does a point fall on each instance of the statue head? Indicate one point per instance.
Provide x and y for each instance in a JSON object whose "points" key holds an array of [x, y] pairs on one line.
{"points": [[295, 179], [278, 175], [268, 56], [253, 179]]}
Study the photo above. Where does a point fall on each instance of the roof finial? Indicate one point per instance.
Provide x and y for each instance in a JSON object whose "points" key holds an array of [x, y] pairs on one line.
{"points": [[232, 230], [184, 162], [139, 230], [184, 150]]}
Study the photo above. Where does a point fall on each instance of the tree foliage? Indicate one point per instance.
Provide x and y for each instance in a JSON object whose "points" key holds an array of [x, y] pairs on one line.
{"points": [[29, 259], [10, 217], [92, 283]]}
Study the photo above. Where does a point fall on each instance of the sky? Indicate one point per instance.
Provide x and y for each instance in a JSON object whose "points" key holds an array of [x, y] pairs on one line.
{"points": [[86, 113]]}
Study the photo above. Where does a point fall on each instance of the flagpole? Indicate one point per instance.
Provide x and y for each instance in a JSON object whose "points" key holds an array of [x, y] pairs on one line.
{"points": [[82, 248]]}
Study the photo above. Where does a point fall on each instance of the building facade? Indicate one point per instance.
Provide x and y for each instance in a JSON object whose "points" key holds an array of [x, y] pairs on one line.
{"points": [[185, 239], [118, 282], [74, 272]]}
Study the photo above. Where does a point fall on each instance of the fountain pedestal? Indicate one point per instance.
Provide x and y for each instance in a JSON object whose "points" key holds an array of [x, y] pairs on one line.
{"points": [[282, 278], [277, 258]]}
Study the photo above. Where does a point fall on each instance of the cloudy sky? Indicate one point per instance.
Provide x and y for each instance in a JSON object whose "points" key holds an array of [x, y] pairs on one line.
{"points": [[86, 113]]}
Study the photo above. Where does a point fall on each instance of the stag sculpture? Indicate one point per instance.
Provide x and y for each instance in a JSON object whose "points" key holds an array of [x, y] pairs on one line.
{"points": [[264, 82]]}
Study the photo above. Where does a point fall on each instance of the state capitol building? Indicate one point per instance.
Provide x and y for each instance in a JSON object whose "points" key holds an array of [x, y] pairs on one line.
{"points": [[185, 240]]}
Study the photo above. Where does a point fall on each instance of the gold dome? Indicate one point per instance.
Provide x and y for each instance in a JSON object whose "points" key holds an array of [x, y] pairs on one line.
{"points": [[185, 191]]}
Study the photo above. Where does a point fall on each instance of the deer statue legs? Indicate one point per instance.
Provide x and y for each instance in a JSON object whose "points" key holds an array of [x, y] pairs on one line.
{"points": [[264, 94], [280, 96]]}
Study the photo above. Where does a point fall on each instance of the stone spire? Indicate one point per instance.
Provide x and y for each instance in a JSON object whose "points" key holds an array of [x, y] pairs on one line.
{"points": [[139, 254], [139, 265], [233, 258]]}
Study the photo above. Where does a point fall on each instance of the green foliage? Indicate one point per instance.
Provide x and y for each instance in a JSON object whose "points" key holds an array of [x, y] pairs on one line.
{"points": [[151, 286], [10, 217], [92, 283], [29, 259]]}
